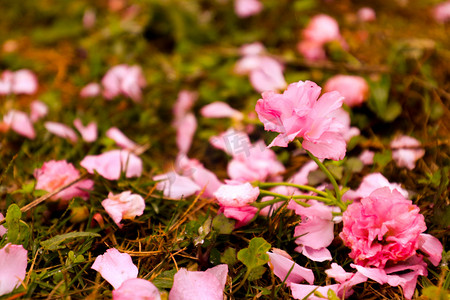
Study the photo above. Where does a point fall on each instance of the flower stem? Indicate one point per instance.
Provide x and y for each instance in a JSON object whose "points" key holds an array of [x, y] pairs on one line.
{"points": [[302, 187]]}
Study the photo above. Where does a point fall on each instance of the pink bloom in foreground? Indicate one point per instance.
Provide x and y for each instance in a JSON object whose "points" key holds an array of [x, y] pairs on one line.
{"points": [[354, 89], [124, 206], [206, 285], [175, 186], [136, 289], [55, 174], [366, 14], [61, 130], [406, 151], [89, 132], [13, 267], [112, 163], [38, 110], [115, 267], [220, 109], [236, 195], [125, 80], [121, 139], [281, 266], [299, 112], [315, 232], [20, 123], [441, 12], [92, 89], [247, 8], [300, 291], [383, 227]]}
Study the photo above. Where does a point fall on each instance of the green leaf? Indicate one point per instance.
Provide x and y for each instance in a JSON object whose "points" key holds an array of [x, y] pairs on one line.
{"points": [[229, 257], [257, 273], [54, 242], [203, 231], [332, 295], [256, 253], [222, 224], [27, 188], [354, 164], [383, 158], [165, 279], [18, 231], [393, 110]]}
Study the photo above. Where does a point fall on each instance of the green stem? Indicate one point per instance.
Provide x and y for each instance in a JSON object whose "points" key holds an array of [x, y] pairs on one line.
{"points": [[247, 273], [318, 198], [302, 187]]}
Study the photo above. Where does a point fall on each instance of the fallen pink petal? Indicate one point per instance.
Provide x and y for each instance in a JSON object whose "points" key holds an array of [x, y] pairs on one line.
{"points": [[13, 267], [124, 206], [89, 132], [61, 130], [112, 164], [136, 288]]}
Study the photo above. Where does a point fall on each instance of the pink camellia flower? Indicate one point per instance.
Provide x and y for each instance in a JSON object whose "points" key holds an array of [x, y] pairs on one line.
{"points": [[220, 110], [236, 195], [206, 285], [371, 183], [176, 186], [89, 132], [115, 267], [112, 163], [383, 227], [441, 12], [299, 112], [266, 73], [247, 8], [121, 139], [124, 79], [366, 14], [354, 89], [61, 130], [281, 264], [124, 206], [38, 110], [13, 267], [316, 231], [135, 289], [406, 151], [92, 89], [20, 123], [55, 174], [184, 103]]}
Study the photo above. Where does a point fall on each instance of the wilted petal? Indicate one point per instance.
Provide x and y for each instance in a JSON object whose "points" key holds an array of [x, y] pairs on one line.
{"points": [[13, 267], [61, 130], [207, 285], [136, 289], [282, 265], [321, 254], [175, 186], [338, 273], [124, 206], [115, 267]]}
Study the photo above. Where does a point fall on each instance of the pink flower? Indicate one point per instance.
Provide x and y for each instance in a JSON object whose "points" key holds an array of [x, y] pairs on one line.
{"points": [[18, 82], [406, 151], [441, 12], [247, 8], [121, 139], [175, 186], [236, 195], [135, 289], [220, 110], [354, 89], [366, 14], [316, 231], [343, 117], [371, 183], [299, 112], [125, 80], [13, 267], [243, 215], [186, 127], [92, 89], [38, 110], [209, 284], [266, 73], [61, 130], [300, 291], [184, 103], [20, 123], [89, 132], [383, 227], [55, 174], [112, 163], [124, 206], [282, 264], [115, 267]]}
